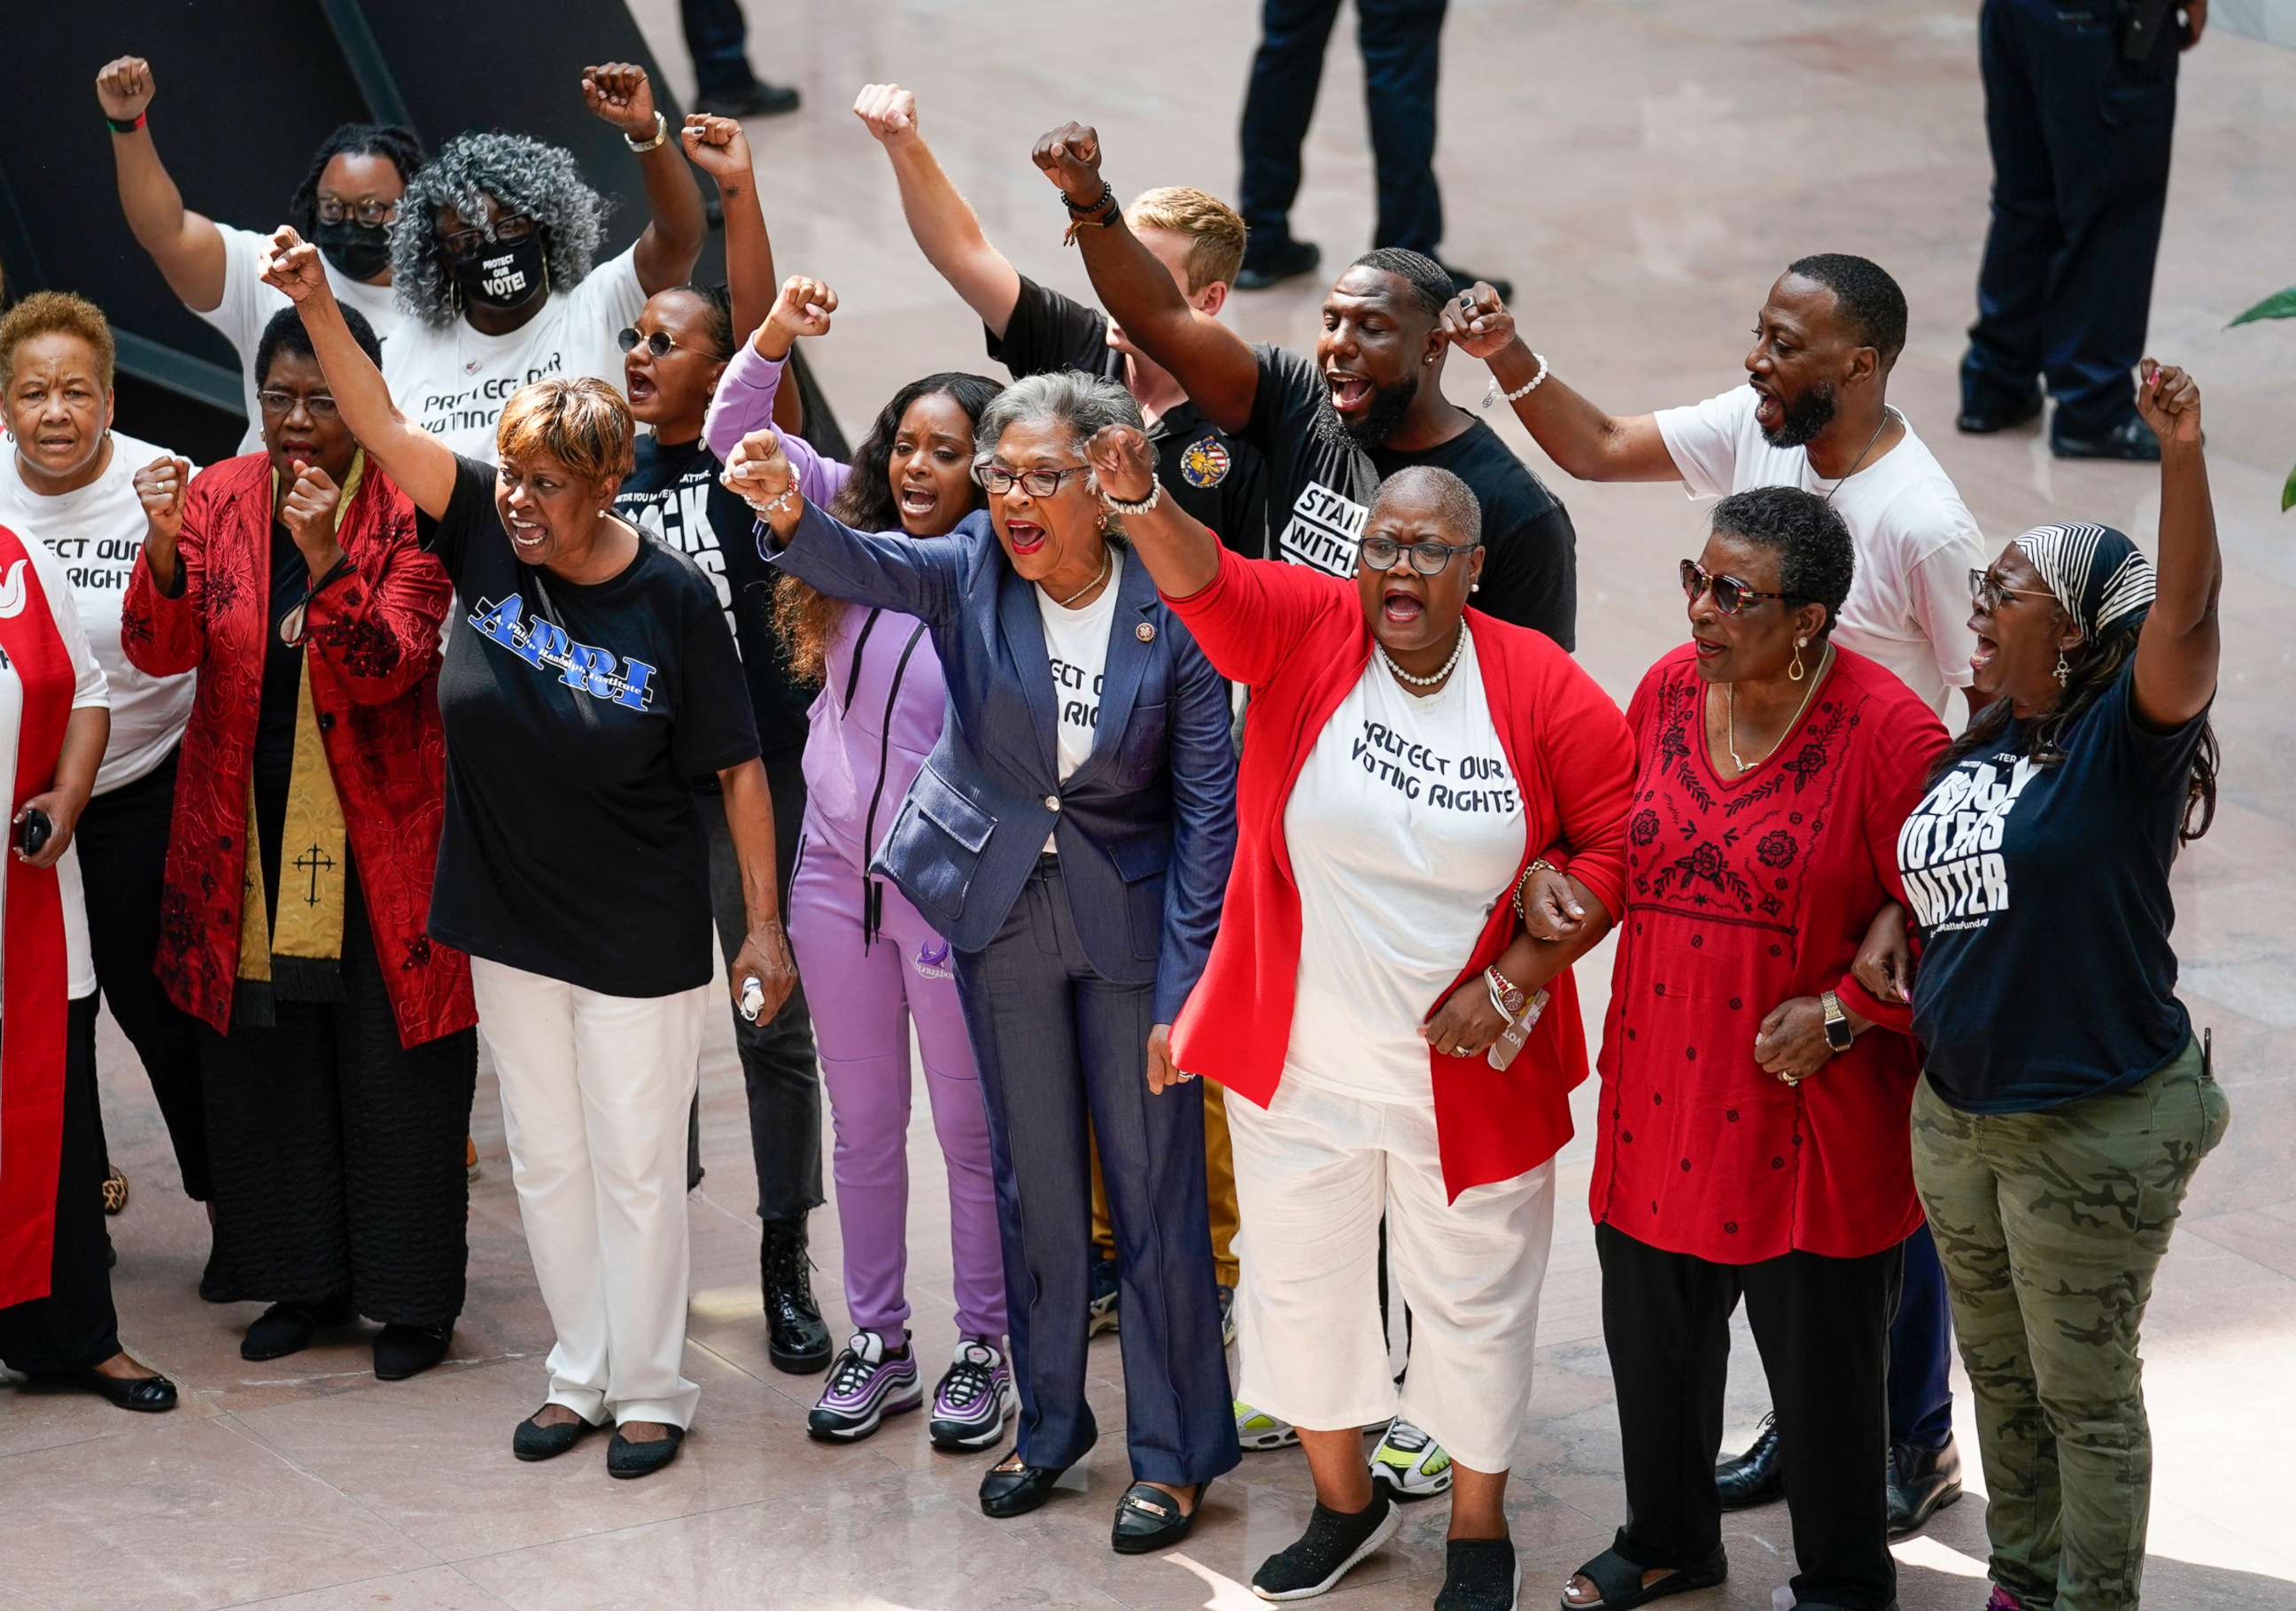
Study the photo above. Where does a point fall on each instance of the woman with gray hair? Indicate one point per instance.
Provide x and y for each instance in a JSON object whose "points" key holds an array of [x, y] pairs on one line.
{"points": [[1070, 835], [492, 255]]}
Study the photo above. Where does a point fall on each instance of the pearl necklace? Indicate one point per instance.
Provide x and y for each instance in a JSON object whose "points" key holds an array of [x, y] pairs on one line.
{"points": [[1401, 676], [1730, 713]]}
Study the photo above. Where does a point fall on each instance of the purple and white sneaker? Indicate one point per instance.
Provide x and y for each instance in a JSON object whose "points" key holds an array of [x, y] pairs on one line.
{"points": [[975, 1397], [866, 1385]]}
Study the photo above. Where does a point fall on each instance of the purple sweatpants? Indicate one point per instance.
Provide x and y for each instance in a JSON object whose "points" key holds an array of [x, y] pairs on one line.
{"points": [[867, 1001]]}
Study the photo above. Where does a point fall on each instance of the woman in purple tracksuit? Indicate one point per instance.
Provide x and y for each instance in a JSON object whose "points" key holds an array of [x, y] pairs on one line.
{"points": [[873, 964]]}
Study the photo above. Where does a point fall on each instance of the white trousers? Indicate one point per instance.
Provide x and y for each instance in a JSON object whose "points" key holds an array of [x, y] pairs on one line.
{"points": [[594, 1093], [1315, 1170]]}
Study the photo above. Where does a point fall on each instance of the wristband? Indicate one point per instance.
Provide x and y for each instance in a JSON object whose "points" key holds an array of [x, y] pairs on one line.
{"points": [[125, 125]]}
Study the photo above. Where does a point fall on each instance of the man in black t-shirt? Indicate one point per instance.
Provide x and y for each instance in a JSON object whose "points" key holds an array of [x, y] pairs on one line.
{"points": [[1197, 241], [1370, 403]]}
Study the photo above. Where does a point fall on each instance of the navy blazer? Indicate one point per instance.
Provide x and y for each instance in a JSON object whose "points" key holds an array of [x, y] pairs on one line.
{"points": [[1145, 826]]}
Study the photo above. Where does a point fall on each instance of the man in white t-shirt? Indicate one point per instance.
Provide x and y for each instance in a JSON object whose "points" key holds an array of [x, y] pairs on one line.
{"points": [[1814, 413], [344, 206]]}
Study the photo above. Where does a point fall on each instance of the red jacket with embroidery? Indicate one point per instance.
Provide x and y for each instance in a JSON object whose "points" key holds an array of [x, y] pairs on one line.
{"points": [[370, 640]]}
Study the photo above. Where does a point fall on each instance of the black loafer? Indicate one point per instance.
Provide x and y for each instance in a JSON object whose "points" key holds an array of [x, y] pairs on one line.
{"points": [[1922, 1482], [1005, 1494], [286, 1329], [532, 1442], [150, 1395], [1284, 260], [626, 1458], [1759, 1476], [1979, 422], [404, 1351], [1149, 1519], [2132, 441]]}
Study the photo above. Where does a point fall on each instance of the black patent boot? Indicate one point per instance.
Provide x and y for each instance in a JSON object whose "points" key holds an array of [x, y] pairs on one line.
{"points": [[795, 1335]]}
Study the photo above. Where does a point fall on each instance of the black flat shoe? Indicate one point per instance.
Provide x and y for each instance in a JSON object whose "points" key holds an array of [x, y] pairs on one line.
{"points": [[150, 1395], [626, 1458], [1759, 1476], [532, 1442], [1149, 1519], [1976, 421], [286, 1329], [1284, 260], [1005, 1494], [404, 1351], [1922, 1482], [2132, 441]]}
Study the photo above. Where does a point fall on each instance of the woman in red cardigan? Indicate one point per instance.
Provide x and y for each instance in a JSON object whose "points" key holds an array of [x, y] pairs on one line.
{"points": [[337, 1051], [1752, 1134], [1404, 761]]}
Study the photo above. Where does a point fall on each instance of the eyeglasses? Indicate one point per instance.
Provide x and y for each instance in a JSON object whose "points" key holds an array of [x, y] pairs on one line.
{"points": [[279, 404], [1731, 596], [660, 346], [1986, 590], [1428, 559], [504, 231], [334, 209], [1036, 483]]}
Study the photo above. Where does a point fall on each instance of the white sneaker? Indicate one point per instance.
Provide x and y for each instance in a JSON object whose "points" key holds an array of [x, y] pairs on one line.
{"points": [[1412, 1464], [1258, 1429]]}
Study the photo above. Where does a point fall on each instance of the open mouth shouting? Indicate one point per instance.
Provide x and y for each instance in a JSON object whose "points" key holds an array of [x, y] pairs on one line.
{"points": [[1351, 394], [1023, 537], [919, 501], [1983, 657], [1769, 413], [638, 385], [1400, 604], [527, 535]]}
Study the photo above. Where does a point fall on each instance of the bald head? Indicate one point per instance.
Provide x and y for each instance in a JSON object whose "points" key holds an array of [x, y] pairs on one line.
{"points": [[1424, 486]]}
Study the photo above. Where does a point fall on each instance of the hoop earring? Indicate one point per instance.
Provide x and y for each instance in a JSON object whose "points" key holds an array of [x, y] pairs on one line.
{"points": [[2064, 669], [1797, 671]]}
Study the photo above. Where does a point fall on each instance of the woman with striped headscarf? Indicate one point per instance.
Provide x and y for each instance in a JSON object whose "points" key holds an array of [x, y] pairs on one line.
{"points": [[2055, 1129]]}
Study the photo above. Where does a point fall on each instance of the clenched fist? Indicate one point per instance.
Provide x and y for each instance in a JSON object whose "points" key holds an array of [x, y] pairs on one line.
{"points": [[619, 93], [717, 147], [159, 487], [889, 111], [309, 513], [291, 266], [124, 87], [1070, 157], [1122, 463]]}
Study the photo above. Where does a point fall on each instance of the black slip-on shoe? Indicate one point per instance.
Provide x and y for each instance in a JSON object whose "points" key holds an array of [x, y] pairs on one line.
{"points": [[1005, 1494], [150, 1395], [1334, 1541], [1149, 1519], [404, 1351], [1480, 1575], [534, 1441], [626, 1458], [286, 1329]]}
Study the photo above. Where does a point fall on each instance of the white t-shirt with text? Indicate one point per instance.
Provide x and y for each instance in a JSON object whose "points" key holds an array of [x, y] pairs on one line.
{"points": [[1916, 541], [95, 534], [248, 307], [1405, 827], [453, 382], [1076, 646]]}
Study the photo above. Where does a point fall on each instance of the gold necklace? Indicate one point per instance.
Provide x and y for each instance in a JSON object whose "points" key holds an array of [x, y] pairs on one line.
{"points": [[1107, 559], [1730, 716]]}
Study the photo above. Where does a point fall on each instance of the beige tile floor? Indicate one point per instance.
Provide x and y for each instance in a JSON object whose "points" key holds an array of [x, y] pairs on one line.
{"points": [[1644, 167]]}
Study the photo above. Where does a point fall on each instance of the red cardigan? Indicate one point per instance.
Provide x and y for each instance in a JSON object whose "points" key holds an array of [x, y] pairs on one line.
{"points": [[372, 641], [1299, 639]]}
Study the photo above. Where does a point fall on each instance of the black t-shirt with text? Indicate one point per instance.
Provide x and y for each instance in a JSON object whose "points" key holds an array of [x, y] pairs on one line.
{"points": [[2041, 893], [1218, 479], [575, 717], [674, 494], [1319, 494]]}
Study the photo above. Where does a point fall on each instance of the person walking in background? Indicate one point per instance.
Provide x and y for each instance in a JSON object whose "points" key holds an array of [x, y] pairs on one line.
{"points": [[1401, 41], [726, 86], [336, 1052], [2080, 107], [346, 204]]}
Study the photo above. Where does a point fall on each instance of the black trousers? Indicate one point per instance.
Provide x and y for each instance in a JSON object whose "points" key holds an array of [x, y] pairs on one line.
{"points": [[2081, 140], [123, 855], [716, 34], [337, 1163], [1401, 45], [780, 1072], [74, 1327], [1822, 1325], [1057, 1044]]}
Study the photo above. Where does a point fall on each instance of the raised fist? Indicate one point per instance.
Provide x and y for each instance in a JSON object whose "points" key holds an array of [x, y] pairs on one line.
{"points": [[2169, 400], [124, 87], [619, 93], [1070, 157], [159, 485], [889, 111], [1122, 463], [717, 146], [291, 266], [309, 510], [1476, 323], [803, 309]]}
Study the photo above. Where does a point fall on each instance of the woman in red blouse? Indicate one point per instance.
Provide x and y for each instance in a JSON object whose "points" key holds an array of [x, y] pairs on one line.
{"points": [[1752, 1133]]}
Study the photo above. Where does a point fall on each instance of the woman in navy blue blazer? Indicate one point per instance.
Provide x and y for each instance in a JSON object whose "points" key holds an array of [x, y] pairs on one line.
{"points": [[1071, 835]]}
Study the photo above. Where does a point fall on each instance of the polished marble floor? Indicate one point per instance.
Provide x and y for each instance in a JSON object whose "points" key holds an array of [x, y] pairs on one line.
{"points": [[1643, 168]]}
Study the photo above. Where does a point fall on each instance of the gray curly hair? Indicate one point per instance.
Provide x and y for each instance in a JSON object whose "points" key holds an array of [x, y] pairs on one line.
{"points": [[526, 176], [1082, 403]]}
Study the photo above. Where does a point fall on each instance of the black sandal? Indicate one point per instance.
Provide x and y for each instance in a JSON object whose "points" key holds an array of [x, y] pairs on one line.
{"points": [[1620, 1580]]}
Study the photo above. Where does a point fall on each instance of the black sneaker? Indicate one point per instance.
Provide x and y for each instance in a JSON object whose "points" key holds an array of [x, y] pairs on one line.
{"points": [[1284, 261], [759, 99], [1480, 1575], [1464, 279], [796, 1340], [1322, 1555]]}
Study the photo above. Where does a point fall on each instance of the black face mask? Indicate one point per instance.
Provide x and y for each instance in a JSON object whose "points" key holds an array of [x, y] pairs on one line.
{"points": [[505, 275], [361, 251]]}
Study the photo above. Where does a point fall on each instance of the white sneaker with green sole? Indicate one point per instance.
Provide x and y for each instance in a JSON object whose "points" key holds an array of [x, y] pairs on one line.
{"points": [[1258, 1429], [1412, 1464]]}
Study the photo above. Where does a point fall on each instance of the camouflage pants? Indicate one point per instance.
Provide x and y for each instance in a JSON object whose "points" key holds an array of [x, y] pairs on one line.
{"points": [[2050, 1226]]}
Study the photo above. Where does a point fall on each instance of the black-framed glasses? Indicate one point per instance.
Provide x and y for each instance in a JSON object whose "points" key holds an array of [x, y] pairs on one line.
{"points": [[1731, 595], [660, 346], [505, 230], [278, 404], [1036, 483], [1986, 590], [1428, 559], [334, 209]]}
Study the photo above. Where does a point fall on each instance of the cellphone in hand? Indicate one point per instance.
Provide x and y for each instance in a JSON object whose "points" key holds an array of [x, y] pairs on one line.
{"points": [[33, 830]]}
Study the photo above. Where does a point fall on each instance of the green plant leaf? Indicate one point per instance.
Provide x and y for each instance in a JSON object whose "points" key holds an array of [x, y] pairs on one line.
{"points": [[2288, 493], [2280, 305]]}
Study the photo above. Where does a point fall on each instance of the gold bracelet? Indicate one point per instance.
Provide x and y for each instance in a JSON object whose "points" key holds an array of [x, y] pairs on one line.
{"points": [[1538, 864]]}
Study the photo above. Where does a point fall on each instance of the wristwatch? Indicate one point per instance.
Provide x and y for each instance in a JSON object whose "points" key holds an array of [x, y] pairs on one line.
{"points": [[1838, 1033], [1508, 997]]}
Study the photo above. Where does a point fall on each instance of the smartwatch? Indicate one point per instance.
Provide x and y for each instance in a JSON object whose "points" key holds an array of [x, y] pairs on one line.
{"points": [[1838, 1033]]}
